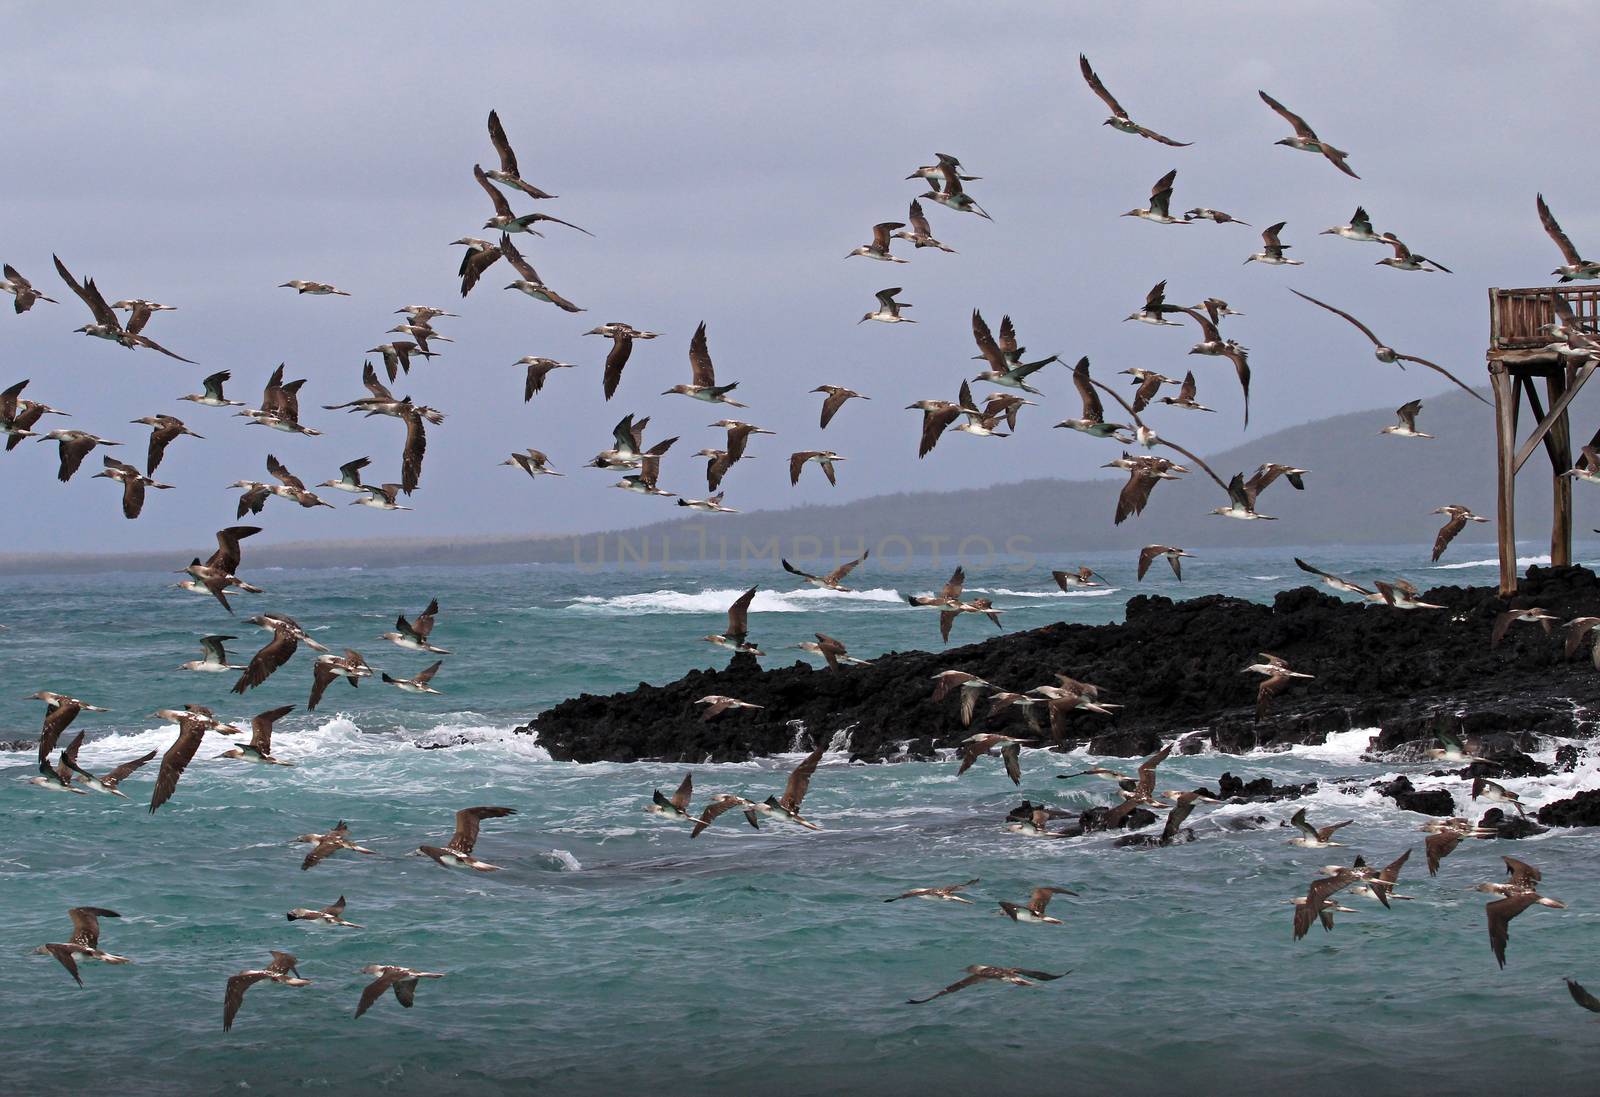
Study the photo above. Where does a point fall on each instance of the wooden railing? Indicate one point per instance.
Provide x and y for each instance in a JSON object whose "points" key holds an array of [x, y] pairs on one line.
{"points": [[1516, 315]]}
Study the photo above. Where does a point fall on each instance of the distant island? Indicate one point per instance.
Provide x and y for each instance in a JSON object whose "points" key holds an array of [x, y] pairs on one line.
{"points": [[1353, 496]]}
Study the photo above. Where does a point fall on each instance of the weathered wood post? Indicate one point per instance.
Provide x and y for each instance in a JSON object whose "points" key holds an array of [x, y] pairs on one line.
{"points": [[1505, 433]]}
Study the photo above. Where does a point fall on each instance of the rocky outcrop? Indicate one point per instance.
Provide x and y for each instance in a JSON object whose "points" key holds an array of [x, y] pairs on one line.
{"points": [[1174, 667], [1433, 802], [1582, 810]]}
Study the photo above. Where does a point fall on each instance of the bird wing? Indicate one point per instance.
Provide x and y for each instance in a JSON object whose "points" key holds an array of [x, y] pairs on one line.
{"points": [[1011, 758], [986, 344], [497, 135], [1340, 312], [1583, 997], [277, 471], [325, 846], [1093, 410], [226, 557], [621, 348], [516, 259], [831, 405], [844, 569], [934, 424], [115, 776], [918, 219], [86, 924], [467, 822], [56, 720], [475, 262], [960, 984], [416, 449], [700, 368], [178, 756], [377, 988], [1098, 88], [233, 998], [951, 591], [89, 295], [261, 727], [1439, 846], [1270, 687], [1289, 116], [1546, 218], [72, 455], [272, 655], [1175, 819], [716, 808], [800, 781], [1317, 894], [1522, 874], [422, 626], [680, 798], [1499, 914], [1458, 382], [1454, 526], [501, 206], [739, 614]]}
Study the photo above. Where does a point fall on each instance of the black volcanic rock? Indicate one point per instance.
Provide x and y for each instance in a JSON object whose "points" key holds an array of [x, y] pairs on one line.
{"points": [[1581, 810], [1261, 790], [1093, 819], [1174, 667], [1510, 826], [1433, 802]]}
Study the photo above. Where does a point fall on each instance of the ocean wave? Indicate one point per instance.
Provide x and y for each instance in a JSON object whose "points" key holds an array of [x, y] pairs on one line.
{"points": [[1522, 562], [718, 601]]}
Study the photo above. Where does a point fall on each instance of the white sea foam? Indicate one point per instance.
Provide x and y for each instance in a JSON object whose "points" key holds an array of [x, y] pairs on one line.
{"points": [[718, 601], [1339, 747], [563, 861], [1522, 562]]}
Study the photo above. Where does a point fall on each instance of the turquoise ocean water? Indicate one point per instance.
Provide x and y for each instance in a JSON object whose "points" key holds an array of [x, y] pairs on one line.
{"points": [[613, 954]]}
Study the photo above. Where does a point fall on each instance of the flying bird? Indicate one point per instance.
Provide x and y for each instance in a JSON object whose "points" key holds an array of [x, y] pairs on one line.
{"points": [[402, 980], [23, 292], [1119, 119], [507, 174], [85, 943], [326, 845], [282, 970], [506, 221], [980, 973], [622, 337], [457, 853], [833, 579], [834, 400], [888, 310], [1575, 265], [1272, 249], [1159, 210], [703, 385], [1305, 138], [878, 246], [920, 234], [107, 325], [1386, 354], [1459, 517], [259, 748]]}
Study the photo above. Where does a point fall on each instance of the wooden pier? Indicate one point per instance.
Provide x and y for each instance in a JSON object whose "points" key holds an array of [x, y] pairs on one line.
{"points": [[1519, 355]]}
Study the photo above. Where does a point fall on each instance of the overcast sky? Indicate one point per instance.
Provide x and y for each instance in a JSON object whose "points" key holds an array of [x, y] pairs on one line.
{"points": [[728, 156]]}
